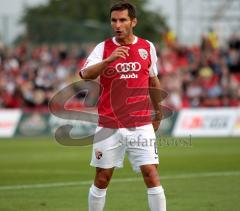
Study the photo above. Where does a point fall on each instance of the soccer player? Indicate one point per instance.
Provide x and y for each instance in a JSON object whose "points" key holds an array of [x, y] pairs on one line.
{"points": [[126, 65]]}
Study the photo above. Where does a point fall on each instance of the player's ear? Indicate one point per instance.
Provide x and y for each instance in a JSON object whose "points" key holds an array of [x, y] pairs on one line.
{"points": [[134, 22]]}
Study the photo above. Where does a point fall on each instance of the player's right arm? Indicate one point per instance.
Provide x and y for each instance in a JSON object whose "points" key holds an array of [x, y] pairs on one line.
{"points": [[95, 65]]}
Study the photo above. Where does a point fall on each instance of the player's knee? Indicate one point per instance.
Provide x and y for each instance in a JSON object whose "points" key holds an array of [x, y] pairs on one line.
{"points": [[102, 181], [102, 178], [151, 176]]}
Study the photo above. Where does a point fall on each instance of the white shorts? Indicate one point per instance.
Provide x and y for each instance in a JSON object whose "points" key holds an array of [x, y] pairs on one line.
{"points": [[111, 144]]}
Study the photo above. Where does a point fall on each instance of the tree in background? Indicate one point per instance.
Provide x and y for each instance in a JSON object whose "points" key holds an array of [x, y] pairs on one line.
{"points": [[84, 21]]}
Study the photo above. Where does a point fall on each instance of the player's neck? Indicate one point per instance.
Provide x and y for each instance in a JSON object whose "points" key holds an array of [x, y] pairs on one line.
{"points": [[127, 40]]}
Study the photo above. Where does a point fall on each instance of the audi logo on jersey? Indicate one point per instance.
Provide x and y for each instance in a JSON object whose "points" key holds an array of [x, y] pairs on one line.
{"points": [[128, 67]]}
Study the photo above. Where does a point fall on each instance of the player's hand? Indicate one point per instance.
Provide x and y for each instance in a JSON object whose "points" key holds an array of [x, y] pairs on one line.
{"points": [[156, 124], [120, 52], [157, 120]]}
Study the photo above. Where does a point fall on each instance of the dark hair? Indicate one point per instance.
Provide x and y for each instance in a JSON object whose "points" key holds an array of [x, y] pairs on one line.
{"points": [[122, 5]]}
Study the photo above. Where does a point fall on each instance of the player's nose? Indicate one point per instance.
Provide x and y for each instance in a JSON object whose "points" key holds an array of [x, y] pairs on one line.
{"points": [[118, 24]]}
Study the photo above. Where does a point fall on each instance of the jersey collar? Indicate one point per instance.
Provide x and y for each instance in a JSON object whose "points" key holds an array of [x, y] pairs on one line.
{"points": [[116, 43]]}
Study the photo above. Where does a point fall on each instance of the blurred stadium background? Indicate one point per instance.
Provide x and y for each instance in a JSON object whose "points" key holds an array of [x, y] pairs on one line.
{"points": [[42, 48]]}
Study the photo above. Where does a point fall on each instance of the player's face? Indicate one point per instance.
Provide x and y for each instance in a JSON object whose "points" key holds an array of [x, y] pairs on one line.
{"points": [[122, 24]]}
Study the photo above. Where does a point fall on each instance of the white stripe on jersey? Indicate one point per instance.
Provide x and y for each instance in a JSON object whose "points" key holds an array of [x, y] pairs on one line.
{"points": [[153, 70]]}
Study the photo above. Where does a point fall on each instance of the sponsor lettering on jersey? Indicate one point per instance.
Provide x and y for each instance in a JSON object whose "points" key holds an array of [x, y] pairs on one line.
{"points": [[133, 75], [129, 67]]}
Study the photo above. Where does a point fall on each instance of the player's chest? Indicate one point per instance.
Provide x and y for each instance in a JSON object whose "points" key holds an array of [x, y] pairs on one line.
{"points": [[135, 66]]}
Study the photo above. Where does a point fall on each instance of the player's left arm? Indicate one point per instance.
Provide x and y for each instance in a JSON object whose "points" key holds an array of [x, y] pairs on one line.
{"points": [[155, 95], [154, 88]]}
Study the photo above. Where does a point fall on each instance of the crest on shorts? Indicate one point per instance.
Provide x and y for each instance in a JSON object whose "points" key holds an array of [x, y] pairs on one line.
{"points": [[143, 53], [98, 154]]}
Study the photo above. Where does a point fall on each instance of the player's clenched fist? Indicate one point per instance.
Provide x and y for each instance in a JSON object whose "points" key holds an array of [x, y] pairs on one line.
{"points": [[120, 52]]}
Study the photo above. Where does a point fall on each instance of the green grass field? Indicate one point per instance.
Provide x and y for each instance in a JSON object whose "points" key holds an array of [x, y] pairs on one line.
{"points": [[42, 175]]}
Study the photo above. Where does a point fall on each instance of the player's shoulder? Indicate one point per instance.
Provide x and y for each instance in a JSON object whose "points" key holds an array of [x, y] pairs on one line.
{"points": [[146, 42], [151, 44], [100, 45], [109, 43]]}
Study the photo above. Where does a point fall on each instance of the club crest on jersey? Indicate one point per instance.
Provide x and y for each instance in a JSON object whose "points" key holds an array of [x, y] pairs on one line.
{"points": [[143, 53]]}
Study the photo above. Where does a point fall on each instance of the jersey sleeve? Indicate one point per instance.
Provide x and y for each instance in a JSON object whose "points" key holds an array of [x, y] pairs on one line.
{"points": [[153, 70], [95, 57]]}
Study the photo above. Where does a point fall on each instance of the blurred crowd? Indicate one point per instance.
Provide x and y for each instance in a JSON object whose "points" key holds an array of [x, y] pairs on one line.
{"points": [[30, 75], [206, 75]]}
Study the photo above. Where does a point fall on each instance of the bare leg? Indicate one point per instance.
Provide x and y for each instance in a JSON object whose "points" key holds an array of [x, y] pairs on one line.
{"points": [[150, 175], [156, 196], [103, 177], [97, 192]]}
